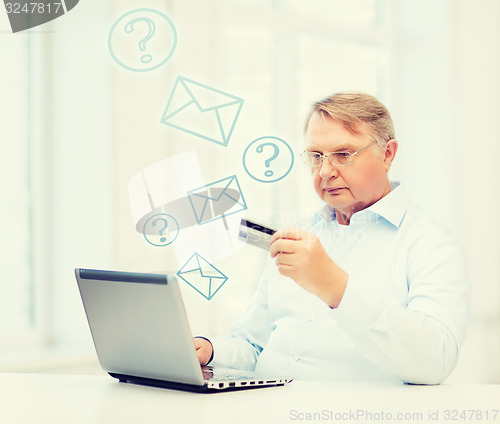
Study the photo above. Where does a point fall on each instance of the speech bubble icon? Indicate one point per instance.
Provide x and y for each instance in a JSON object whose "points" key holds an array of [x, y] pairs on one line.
{"points": [[28, 14]]}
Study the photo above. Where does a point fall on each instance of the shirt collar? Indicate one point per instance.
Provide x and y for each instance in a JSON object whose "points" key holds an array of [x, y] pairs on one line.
{"points": [[392, 207]]}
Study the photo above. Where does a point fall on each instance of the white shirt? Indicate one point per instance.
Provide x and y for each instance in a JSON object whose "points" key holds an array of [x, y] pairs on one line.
{"points": [[402, 317]]}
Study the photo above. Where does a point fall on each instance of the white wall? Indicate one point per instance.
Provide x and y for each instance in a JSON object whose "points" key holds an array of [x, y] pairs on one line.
{"points": [[475, 152], [446, 103]]}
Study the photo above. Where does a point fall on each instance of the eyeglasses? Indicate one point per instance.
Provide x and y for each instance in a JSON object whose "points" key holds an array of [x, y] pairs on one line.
{"points": [[340, 158]]}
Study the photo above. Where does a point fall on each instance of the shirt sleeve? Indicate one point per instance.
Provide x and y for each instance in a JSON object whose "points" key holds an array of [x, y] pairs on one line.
{"points": [[248, 334], [419, 341]]}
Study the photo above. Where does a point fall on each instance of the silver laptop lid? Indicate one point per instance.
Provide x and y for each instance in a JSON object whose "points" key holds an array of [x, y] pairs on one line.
{"points": [[139, 325]]}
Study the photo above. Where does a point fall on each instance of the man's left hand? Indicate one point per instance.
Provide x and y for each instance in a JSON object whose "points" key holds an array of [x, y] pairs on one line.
{"points": [[300, 256]]}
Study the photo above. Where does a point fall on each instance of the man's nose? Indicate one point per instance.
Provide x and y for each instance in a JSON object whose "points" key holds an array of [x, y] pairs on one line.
{"points": [[327, 170]]}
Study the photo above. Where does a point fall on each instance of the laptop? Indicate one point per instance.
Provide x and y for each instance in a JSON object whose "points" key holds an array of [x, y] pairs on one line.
{"points": [[141, 334]]}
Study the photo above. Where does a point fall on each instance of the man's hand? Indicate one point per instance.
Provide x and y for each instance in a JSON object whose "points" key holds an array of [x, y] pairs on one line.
{"points": [[204, 350], [300, 256]]}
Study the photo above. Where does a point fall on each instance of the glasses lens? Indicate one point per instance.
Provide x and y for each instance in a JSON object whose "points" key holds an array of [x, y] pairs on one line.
{"points": [[340, 158], [311, 158]]}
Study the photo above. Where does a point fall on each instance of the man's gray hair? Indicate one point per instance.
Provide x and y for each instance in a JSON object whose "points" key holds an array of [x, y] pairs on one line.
{"points": [[350, 108]]}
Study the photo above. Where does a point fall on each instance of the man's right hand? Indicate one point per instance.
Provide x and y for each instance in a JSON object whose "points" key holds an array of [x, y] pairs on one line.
{"points": [[204, 350]]}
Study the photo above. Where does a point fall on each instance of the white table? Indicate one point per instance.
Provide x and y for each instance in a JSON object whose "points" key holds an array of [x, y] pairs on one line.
{"points": [[73, 399]]}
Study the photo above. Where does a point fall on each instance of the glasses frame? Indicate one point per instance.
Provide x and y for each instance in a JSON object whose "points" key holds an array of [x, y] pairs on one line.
{"points": [[329, 156]]}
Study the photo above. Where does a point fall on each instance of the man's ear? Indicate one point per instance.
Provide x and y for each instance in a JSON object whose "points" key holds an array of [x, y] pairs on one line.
{"points": [[391, 148]]}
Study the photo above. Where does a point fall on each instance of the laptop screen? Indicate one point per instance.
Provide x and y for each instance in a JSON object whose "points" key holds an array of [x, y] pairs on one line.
{"points": [[139, 325]]}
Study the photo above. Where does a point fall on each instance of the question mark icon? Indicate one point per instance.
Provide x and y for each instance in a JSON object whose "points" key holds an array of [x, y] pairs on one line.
{"points": [[165, 225], [146, 58], [282, 159], [151, 32], [267, 162], [160, 222]]}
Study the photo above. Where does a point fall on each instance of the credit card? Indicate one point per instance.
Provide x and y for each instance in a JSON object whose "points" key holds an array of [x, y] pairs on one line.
{"points": [[256, 234]]}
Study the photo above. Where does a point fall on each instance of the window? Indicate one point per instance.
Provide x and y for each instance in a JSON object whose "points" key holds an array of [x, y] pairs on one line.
{"points": [[279, 56]]}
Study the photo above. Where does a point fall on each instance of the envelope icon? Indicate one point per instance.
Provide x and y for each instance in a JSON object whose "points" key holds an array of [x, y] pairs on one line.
{"points": [[216, 200], [202, 276], [202, 111]]}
